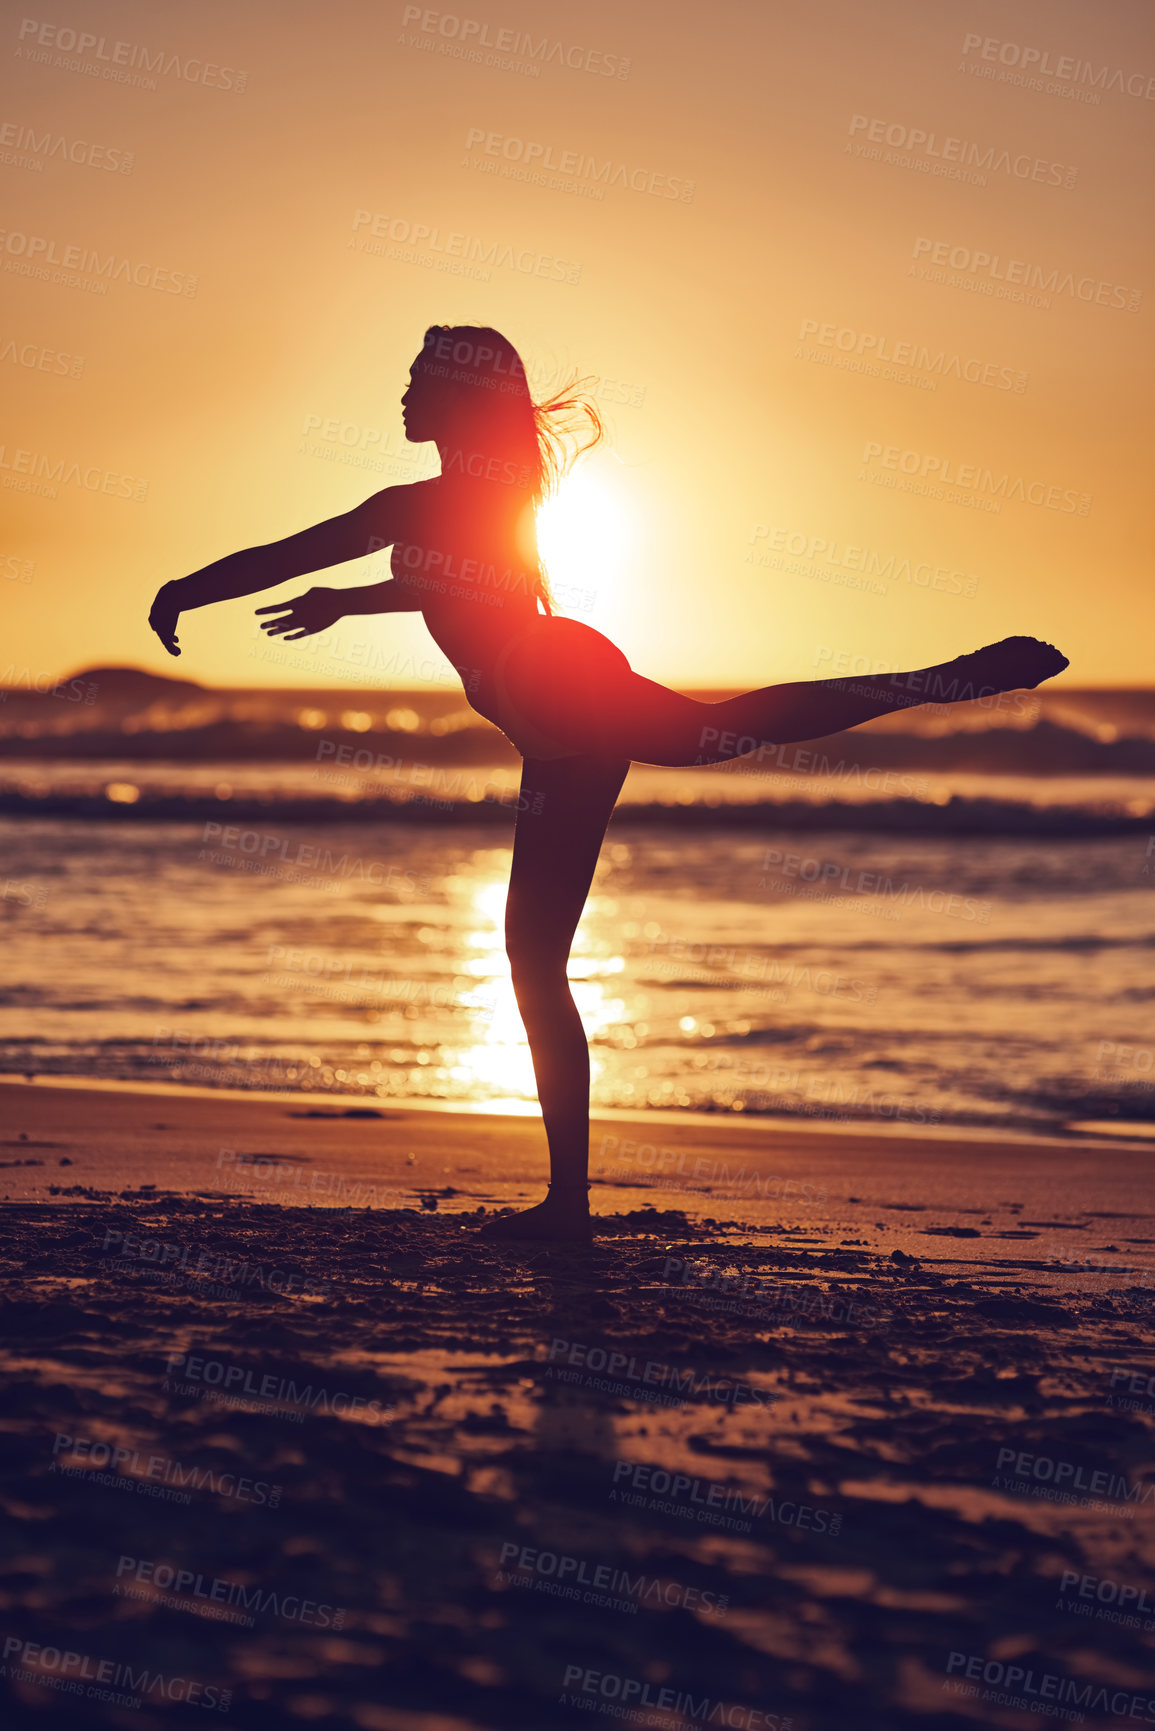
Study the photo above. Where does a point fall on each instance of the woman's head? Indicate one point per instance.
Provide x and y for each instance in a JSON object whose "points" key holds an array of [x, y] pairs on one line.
{"points": [[468, 392]]}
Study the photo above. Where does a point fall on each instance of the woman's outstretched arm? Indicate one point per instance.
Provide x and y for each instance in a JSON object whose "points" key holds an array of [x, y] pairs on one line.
{"points": [[376, 523], [320, 608]]}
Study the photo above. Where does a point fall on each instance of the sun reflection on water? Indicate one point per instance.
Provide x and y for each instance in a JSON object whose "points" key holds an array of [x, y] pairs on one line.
{"points": [[498, 1062]]}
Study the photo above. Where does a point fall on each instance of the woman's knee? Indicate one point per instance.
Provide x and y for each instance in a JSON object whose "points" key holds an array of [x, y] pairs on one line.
{"points": [[534, 966]]}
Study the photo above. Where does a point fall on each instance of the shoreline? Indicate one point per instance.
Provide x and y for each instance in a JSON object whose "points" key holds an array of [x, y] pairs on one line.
{"points": [[1137, 1137], [952, 1201]]}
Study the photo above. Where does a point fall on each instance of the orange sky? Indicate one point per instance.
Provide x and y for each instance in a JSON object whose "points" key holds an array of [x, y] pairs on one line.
{"points": [[770, 503]]}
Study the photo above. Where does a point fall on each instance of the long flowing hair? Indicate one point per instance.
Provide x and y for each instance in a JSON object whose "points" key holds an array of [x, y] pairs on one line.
{"points": [[536, 442]]}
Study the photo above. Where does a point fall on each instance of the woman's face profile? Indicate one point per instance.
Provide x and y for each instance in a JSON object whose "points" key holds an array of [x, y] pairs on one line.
{"points": [[424, 405]]}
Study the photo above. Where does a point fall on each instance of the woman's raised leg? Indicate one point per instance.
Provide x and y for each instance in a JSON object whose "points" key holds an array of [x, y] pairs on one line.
{"points": [[594, 702], [560, 826], [780, 714]]}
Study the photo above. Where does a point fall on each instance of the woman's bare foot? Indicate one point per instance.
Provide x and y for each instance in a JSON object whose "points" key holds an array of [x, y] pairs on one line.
{"points": [[1015, 664], [563, 1218]]}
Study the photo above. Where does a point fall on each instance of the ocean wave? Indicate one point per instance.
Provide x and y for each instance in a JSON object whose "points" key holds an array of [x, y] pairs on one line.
{"points": [[1128, 1103], [128, 715], [1046, 749], [1073, 944], [125, 802]]}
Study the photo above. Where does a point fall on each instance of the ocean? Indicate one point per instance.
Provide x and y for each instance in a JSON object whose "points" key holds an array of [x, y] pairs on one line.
{"points": [[944, 919]]}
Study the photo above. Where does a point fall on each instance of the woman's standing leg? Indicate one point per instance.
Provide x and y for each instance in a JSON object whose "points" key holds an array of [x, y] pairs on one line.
{"points": [[566, 806]]}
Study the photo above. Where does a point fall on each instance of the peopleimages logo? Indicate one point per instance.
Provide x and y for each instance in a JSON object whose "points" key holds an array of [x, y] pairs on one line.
{"points": [[974, 478], [575, 165], [86, 1458], [918, 142], [1017, 271], [582, 1687], [41, 146], [595, 1583], [747, 968], [471, 34], [32, 254], [1135, 1606], [188, 1590], [100, 1679], [14, 679], [745, 1294], [33, 472], [114, 64], [209, 1264], [237, 1382], [684, 1384], [1038, 61], [865, 883], [842, 557], [1069, 1480], [1022, 1686], [38, 358], [664, 1492], [908, 353], [455, 250]]}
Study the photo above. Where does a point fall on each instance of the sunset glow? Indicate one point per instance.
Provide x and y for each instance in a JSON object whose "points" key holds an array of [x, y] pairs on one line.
{"points": [[746, 1321], [588, 542], [784, 356]]}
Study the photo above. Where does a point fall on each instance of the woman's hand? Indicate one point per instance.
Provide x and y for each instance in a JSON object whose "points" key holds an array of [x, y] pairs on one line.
{"points": [[316, 610], [164, 615]]}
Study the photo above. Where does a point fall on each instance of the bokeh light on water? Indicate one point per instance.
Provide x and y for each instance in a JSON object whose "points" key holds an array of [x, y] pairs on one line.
{"points": [[704, 981]]}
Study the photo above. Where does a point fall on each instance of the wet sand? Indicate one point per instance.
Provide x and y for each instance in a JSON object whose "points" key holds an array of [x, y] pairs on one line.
{"points": [[834, 1427]]}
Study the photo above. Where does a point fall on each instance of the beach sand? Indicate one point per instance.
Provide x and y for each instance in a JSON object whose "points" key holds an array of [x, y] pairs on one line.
{"points": [[829, 1419]]}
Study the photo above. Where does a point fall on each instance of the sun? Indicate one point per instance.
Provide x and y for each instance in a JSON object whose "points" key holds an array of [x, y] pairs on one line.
{"points": [[585, 535]]}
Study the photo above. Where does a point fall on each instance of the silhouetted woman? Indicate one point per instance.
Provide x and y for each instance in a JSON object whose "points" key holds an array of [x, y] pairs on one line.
{"points": [[465, 557]]}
